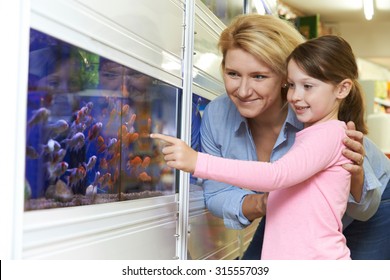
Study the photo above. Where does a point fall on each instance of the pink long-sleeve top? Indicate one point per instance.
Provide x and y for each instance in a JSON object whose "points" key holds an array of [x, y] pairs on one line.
{"points": [[308, 196]]}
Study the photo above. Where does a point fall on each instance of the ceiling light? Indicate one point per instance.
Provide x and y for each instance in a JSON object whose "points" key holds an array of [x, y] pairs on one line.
{"points": [[259, 5], [368, 7]]}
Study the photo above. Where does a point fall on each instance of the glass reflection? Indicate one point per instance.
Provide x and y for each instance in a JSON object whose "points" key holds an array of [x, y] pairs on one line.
{"points": [[225, 10], [88, 121]]}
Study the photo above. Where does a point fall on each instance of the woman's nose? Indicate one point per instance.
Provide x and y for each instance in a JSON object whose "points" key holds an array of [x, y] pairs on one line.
{"points": [[62, 87], [244, 89]]}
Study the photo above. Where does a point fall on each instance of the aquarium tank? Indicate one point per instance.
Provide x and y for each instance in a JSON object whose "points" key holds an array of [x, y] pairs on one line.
{"points": [[88, 125]]}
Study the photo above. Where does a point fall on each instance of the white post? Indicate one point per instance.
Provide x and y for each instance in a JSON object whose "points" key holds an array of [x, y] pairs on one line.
{"points": [[14, 26], [184, 178]]}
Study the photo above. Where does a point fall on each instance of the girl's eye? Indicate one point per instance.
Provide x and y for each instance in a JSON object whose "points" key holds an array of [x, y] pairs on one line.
{"points": [[307, 86], [290, 85]]}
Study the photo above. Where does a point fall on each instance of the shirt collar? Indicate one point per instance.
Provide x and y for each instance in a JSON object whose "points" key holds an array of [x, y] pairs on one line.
{"points": [[291, 120]]}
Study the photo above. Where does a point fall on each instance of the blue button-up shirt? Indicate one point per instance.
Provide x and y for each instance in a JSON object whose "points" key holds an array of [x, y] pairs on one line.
{"points": [[225, 133]]}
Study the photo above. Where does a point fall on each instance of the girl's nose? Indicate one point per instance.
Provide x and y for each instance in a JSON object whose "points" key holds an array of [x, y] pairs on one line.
{"points": [[295, 95]]}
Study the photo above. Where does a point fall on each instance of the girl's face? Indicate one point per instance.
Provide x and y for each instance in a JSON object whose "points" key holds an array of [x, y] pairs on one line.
{"points": [[252, 86], [312, 100], [131, 83]]}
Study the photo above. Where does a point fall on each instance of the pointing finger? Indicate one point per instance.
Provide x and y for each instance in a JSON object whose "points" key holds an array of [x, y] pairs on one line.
{"points": [[166, 138]]}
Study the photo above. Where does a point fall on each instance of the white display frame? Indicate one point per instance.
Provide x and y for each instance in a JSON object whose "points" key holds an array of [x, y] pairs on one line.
{"points": [[150, 228]]}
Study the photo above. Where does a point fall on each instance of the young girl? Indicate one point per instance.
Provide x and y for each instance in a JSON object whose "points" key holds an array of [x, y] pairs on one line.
{"points": [[308, 187]]}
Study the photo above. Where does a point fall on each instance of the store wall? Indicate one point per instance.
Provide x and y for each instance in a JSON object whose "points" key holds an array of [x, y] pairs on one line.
{"points": [[376, 34]]}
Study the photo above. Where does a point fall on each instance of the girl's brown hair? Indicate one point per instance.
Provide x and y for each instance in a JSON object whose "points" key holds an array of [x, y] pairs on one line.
{"points": [[330, 59]]}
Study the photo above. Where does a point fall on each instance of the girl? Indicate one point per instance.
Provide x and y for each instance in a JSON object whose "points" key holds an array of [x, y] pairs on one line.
{"points": [[308, 187]]}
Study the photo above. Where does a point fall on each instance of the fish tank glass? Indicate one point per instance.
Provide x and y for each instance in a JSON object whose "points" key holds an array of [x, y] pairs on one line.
{"points": [[88, 125]]}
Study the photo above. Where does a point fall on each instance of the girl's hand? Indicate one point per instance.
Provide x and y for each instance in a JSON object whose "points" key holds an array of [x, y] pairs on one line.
{"points": [[177, 153]]}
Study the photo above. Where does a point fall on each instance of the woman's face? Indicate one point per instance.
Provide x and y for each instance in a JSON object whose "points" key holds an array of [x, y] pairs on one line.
{"points": [[252, 86], [65, 79]]}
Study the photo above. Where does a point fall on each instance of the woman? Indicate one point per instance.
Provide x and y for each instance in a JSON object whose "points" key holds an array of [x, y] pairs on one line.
{"points": [[253, 122]]}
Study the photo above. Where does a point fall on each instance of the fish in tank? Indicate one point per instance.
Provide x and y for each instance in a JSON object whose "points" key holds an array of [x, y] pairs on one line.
{"points": [[88, 125]]}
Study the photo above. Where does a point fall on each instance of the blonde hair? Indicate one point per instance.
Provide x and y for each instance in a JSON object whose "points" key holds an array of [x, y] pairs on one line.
{"points": [[330, 59], [266, 37]]}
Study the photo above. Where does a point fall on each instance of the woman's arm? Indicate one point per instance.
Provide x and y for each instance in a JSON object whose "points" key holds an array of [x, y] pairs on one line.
{"points": [[237, 207], [376, 177], [368, 177]]}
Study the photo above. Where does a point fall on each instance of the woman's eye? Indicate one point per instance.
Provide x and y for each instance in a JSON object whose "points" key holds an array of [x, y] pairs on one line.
{"points": [[53, 83], [110, 75], [290, 85], [259, 77], [232, 74]]}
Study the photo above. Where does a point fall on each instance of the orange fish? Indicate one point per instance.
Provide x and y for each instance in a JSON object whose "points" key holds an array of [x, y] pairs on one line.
{"points": [[105, 181], [134, 136], [94, 131], [114, 160], [130, 138], [135, 162], [144, 177], [125, 109], [56, 170], [40, 116], [146, 162], [111, 145], [122, 131], [58, 128], [31, 152], [113, 114], [103, 164], [102, 148], [100, 141], [131, 121], [82, 114], [116, 175], [76, 175]]}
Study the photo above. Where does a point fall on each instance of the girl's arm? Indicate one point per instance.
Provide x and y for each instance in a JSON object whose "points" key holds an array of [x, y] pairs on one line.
{"points": [[318, 149]]}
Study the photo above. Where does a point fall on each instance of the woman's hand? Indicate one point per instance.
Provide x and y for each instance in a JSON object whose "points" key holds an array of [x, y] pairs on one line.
{"points": [[355, 152], [177, 153], [254, 206]]}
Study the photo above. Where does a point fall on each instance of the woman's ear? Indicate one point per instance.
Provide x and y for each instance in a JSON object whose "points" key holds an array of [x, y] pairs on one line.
{"points": [[344, 88]]}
